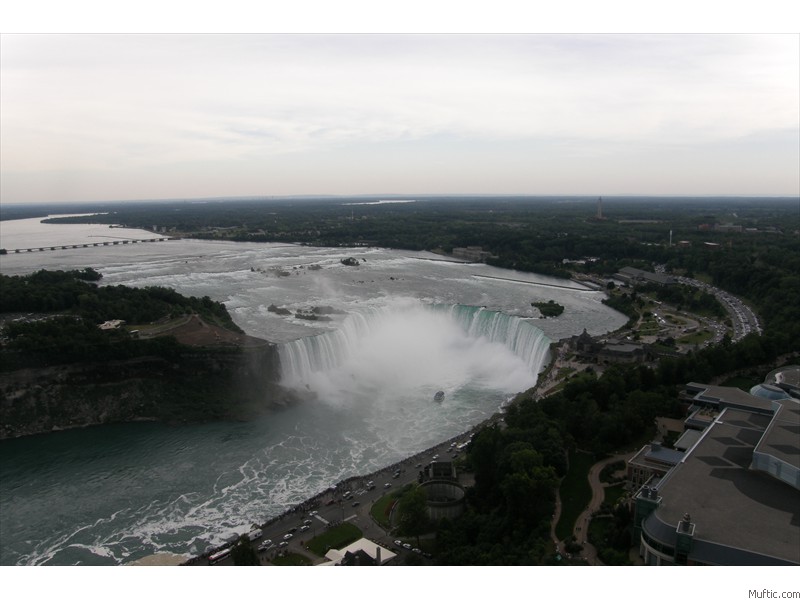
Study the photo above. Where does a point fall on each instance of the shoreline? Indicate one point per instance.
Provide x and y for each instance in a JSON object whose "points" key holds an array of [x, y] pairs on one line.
{"points": [[545, 384]]}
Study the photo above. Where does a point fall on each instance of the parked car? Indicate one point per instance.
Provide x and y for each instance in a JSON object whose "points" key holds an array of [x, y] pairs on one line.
{"points": [[305, 528], [398, 543], [288, 536]]}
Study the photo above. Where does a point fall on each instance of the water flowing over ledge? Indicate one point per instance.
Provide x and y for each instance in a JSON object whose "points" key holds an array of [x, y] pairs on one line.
{"points": [[422, 341]]}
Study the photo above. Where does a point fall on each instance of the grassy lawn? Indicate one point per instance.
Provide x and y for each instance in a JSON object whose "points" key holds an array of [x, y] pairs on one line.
{"points": [[380, 510], [291, 560], [336, 537], [575, 492], [696, 338], [606, 475], [564, 371], [613, 493]]}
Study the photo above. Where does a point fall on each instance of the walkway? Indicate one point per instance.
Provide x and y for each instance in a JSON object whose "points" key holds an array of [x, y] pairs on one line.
{"points": [[581, 527]]}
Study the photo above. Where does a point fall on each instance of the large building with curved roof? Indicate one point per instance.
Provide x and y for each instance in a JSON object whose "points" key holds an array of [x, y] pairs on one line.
{"points": [[734, 498]]}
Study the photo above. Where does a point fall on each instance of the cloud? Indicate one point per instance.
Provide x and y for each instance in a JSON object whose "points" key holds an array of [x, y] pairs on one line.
{"points": [[108, 103]]}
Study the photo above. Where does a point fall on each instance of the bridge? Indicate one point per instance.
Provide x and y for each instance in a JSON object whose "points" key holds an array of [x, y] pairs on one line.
{"points": [[88, 245]]}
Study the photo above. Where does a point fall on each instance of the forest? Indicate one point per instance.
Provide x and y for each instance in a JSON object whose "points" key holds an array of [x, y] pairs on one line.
{"points": [[64, 310], [749, 247]]}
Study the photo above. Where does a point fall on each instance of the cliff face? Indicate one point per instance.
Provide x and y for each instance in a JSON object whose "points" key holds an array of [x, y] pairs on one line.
{"points": [[199, 385]]}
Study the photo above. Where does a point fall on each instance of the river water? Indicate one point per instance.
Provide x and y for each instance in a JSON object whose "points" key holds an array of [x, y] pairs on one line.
{"points": [[405, 325]]}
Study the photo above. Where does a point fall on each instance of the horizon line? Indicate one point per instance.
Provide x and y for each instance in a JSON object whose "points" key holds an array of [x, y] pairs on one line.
{"points": [[394, 195]]}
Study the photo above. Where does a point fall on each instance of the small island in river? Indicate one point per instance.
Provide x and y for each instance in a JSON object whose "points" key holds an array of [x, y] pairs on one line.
{"points": [[549, 308]]}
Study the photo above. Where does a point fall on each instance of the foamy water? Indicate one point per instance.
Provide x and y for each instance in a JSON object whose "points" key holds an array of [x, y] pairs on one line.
{"points": [[113, 494]]}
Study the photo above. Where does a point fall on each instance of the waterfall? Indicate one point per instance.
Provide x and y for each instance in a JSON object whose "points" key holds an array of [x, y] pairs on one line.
{"points": [[416, 330], [526, 341]]}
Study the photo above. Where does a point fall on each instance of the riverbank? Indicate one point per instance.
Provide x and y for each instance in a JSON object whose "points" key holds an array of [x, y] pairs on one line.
{"points": [[408, 467]]}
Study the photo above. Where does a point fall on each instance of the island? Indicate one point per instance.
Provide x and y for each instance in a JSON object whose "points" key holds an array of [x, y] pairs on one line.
{"points": [[549, 308]]}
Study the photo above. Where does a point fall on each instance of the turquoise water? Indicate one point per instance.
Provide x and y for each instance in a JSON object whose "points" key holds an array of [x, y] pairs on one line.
{"points": [[113, 494]]}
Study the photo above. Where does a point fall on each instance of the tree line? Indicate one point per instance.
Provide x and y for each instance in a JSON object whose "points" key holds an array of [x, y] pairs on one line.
{"points": [[66, 307]]}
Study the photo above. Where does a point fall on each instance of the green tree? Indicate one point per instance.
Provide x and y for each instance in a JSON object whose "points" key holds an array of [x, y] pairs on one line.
{"points": [[413, 513], [243, 554]]}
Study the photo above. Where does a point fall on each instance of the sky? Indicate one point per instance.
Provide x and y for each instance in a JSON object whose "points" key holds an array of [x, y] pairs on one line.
{"points": [[96, 117]]}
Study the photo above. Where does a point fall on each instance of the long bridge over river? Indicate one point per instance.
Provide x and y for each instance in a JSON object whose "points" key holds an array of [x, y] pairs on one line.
{"points": [[119, 242]]}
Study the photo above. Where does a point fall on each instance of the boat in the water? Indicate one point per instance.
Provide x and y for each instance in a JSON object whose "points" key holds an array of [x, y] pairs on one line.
{"points": [[439, 396]]}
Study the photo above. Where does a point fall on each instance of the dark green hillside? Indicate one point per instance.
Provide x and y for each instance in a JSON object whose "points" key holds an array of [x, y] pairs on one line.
{"points": [[58, 369], [69, 306], [76, 293]]}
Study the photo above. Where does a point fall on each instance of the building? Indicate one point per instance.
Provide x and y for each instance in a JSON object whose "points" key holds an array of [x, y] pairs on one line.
{"points": [[786, 378], [599, 216], [632, 276], [609, 351], [734, 497], [362, 552], [444, 495], [728, 228], [653, 460], [473, 253], [439, 470]]}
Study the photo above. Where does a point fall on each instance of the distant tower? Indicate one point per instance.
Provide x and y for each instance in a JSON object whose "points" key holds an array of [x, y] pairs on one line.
{"points": [[599, 209], [670, 238]]}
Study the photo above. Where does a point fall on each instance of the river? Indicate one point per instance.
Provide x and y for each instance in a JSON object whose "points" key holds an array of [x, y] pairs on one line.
{"points": [[405, 325]]}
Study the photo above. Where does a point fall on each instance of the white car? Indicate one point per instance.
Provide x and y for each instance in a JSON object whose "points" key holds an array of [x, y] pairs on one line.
{"points": [[288, 536]]}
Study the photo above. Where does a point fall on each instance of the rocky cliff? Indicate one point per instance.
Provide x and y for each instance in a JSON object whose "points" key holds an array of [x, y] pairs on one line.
{"points": [[200, 384]]}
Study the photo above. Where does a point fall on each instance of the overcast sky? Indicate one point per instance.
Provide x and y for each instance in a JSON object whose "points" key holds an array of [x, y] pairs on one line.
{"points": [[112, 117]]}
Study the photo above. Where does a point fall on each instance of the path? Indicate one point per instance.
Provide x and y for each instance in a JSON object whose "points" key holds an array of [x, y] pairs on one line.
{"points": [[581, 530]]}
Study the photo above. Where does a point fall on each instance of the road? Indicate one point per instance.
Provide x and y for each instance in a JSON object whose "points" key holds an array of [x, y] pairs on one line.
{"points": [[331, 508], [743, 318]]}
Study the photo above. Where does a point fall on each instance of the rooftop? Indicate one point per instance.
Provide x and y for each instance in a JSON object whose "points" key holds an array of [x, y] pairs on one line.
{"points": [[688, 439], [782, 438], [656, 453], [729, 397], [364, 545], [739, 512], [786, 377]]}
